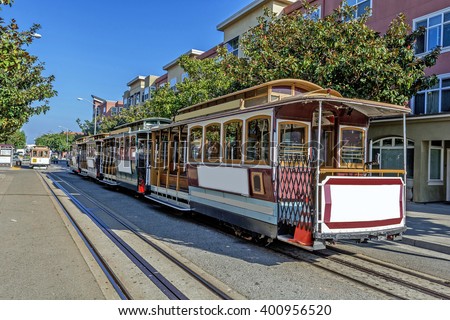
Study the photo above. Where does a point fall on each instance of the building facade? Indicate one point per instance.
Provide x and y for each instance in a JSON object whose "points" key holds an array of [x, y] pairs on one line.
{"points": [[140, 89], [104, 108]]}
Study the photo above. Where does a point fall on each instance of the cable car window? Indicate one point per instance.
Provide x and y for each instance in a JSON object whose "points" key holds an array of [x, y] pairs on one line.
{"points": [[352, 147], [195, 144], [212, 142], [293, 139], [233, 141], [258, 140]]}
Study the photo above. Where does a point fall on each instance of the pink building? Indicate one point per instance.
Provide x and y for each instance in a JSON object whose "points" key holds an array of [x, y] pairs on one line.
{"points": [[104, 108]]}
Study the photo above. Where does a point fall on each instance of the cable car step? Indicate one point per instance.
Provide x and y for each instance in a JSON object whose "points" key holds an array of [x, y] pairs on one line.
{"points": [[170, 203], [111, 183], [316, 245]]}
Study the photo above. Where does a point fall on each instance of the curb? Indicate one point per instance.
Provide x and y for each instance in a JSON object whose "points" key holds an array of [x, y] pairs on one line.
{"points": [[426, 245]]}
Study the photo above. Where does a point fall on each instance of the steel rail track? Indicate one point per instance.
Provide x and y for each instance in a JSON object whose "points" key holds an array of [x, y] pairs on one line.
{"points": [[211, 287], [109, 273], [409, 284], [310, 257], [424, 276], [377, 277]]}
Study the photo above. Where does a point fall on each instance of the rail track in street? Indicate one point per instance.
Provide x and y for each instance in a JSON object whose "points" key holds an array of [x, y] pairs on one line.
{"points": [[178, 287], [394, 281]]}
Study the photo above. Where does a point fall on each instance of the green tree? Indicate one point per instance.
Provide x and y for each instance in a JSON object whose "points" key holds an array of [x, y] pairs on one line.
{"points": [[127, 115], [23, 89], [56, 141], [87, 127], [334, 52], [17, 139]]}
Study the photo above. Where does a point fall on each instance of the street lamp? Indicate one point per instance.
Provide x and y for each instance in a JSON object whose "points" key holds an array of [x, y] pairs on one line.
{"points": [[95, 115], [67, 134]]}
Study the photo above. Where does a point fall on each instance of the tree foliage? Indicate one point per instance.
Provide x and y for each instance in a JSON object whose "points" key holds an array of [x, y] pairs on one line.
{"points": [[17, 139], [23, 89], [334, 52], [206, 80], [56, 141]]}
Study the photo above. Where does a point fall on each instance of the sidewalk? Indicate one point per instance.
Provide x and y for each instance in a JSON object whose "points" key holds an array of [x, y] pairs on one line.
{"points": [[428, 226], [40, 260]]}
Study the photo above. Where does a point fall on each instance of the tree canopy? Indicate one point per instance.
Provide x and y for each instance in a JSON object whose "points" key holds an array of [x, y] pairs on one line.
{"points": [[17, 139], [23, 89], [56, 141], [336, 52]]}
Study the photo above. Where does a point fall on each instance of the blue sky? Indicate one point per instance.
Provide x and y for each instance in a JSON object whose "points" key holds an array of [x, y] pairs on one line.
{"points": [[97, 46]]}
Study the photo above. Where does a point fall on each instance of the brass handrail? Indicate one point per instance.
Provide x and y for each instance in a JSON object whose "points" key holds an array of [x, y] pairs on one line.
{"points": [[361, 171]]}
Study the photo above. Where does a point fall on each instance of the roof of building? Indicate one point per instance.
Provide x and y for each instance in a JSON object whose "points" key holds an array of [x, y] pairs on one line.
{"points": [[192, 52], [246, 10]]}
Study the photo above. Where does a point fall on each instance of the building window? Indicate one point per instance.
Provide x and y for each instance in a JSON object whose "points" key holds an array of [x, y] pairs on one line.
{"points": [[434, 100], [257, 148], [360, 7], [137, 98], [145, 95], [113, 111], [184, 75], [387, 153], [195, 144], [436, 162], [152, 90], [173, 83], [233, 46], [437, 34], [233, 141], [212, 142], [315, 15]]}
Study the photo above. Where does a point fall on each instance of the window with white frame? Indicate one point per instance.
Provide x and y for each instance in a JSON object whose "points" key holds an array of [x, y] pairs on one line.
{"points": [[113, 111], [233, 46], [436, 162], [145, 96], [387, 153], [173, 83], [152, 90], [137, 98], [435, 99], [184, 75], [315, 15], [437, 31], [360, 6]]}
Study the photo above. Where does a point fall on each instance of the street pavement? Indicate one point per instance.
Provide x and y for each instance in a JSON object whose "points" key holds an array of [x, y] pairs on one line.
{"points": [[48, 264], [39, 257]]}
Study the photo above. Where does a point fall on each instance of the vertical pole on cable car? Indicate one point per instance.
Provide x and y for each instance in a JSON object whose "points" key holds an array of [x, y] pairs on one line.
{"points": [[319, 141], [405, 143]]}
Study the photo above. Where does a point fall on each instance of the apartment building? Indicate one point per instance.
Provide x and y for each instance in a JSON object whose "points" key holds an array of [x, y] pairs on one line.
{"points": [[428, 127], [139, 90], [104, 108]]}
